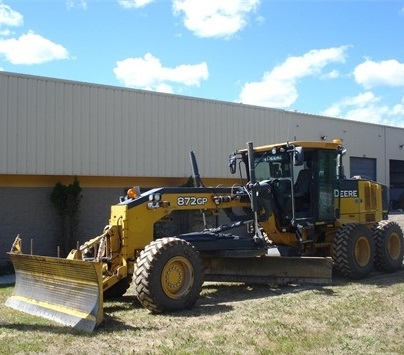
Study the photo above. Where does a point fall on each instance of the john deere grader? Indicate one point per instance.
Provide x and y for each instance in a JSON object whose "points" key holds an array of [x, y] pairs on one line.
{"points": [[294, 217]]}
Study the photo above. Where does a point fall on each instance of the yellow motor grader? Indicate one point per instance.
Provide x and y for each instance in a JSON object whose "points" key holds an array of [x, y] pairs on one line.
{"points": [[294, 217]]}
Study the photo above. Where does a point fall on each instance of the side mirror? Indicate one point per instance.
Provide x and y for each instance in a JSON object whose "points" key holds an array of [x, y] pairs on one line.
{"points": [[298, 156], [232, 164]]}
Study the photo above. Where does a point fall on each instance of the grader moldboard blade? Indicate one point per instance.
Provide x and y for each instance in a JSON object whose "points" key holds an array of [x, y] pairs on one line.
{"points": [[270, 269], [63, 290]]}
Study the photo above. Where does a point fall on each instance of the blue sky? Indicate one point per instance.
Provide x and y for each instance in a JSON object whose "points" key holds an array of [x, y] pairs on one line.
{"points": [[335, 58]]}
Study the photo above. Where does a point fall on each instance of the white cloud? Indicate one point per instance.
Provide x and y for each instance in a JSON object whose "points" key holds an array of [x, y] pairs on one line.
{"points": [[278, 86], [333, 74], [398, 110], [385, 73], [148, 73], [128, 4], [361, 100], [31, 48], [164, 88], [5, 33], [76, 4], [367, 107], [9, 17], [219, 18]]}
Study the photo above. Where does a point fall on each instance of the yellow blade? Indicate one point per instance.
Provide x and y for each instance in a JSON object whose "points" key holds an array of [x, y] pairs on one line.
{"points": [[66, 291]]}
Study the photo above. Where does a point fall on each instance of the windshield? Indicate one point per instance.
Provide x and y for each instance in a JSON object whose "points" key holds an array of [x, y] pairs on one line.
{"points": [[271, 166]]}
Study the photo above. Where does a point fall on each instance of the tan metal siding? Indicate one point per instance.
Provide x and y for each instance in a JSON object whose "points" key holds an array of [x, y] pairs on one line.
{"points": [[51, 120], [9, 126], [57, 127], [4, 92]]}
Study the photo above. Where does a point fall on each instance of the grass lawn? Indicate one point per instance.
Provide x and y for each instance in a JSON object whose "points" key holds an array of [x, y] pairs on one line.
{"points": [[365, 317]]}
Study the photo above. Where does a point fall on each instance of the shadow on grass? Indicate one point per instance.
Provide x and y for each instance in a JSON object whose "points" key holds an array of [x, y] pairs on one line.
{"points": [[123, 303], [214, 294], [109, 323], [376, 278], [216, 298]]}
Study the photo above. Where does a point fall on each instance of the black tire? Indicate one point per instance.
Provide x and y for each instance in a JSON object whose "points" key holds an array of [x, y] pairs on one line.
{"points": [[353, 251], [168, 275], [119, 289], [389, 243]]}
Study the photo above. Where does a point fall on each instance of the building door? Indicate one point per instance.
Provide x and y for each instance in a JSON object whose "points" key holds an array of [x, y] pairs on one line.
{"points": [[364, 167], [397, 184]]}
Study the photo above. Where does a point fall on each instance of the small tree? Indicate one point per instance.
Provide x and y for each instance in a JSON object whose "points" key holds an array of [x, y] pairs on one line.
{"points": [[66, 200]]}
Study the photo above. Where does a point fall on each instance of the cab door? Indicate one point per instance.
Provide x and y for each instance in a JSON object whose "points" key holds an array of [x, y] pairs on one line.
{"points": [[325, 181]]}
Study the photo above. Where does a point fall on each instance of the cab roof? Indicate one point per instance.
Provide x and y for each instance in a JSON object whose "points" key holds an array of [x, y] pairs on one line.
{"points": [[331, 145]]}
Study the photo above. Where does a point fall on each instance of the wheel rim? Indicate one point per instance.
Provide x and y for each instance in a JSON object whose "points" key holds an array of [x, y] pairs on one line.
{"points": [[177, 277], [362, 251], [394, 246]]}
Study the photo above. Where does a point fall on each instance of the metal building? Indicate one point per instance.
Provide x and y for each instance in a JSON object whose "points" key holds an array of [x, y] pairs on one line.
{"points": [[112, 138]]}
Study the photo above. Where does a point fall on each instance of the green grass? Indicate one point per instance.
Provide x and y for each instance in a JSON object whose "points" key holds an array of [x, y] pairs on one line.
{"points": [[344, 318]]}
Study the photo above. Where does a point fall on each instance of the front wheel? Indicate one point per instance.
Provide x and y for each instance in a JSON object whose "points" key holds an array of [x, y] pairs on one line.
{"points": [[353, 251], [168, 275]]}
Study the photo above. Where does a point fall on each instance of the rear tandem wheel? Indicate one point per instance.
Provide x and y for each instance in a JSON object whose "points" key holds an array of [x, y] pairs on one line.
{"points": [[353, 251], [389, 242], [168, 275]]}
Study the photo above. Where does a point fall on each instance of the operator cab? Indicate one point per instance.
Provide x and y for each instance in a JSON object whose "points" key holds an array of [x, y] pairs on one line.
{"points": [[302, 181]]}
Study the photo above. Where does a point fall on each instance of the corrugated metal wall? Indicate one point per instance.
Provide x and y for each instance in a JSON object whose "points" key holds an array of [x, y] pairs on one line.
{"points": [[56, 127]]}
